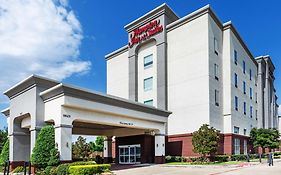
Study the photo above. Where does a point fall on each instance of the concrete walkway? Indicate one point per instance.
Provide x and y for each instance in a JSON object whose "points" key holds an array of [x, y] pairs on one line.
{"points": [[245, 169]]}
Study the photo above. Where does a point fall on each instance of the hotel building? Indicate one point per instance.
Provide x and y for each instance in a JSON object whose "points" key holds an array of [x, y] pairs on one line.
{"points": [[201, 70], [174, 75]]}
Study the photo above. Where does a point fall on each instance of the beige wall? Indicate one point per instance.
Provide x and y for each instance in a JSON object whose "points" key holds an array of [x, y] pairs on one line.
{"points": [[188, 75], [118, 76]]}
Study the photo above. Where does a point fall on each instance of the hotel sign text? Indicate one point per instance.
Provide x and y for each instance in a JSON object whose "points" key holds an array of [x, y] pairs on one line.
{"points": [[145, 32]]}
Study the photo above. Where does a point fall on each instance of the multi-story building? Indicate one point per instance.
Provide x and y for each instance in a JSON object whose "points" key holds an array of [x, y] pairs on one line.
{"points": [[201, 70]]}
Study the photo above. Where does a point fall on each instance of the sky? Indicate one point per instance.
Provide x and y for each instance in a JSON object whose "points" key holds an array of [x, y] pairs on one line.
{"points": [[67, 39]]}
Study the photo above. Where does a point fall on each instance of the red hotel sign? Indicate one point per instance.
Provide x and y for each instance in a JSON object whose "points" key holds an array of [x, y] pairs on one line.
{"points": [[145, 32]]}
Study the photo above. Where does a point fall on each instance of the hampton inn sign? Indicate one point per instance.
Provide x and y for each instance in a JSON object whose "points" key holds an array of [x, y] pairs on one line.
{"points": [[145, 32]]}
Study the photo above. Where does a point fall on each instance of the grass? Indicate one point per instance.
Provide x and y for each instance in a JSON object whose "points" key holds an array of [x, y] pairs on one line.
{"points": [[210, 163]]}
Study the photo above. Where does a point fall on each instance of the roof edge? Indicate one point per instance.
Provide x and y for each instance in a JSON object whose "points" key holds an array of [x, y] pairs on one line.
{"points": [[87, 94], [116, 52], [6, 112], [229, 25]]}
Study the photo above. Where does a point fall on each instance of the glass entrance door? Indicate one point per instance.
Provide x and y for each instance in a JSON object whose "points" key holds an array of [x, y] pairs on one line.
{"points": [[129, 154]]}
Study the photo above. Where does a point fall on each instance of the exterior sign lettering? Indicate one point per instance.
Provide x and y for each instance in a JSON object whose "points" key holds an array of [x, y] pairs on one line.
{"points": [[126, 123], [145, 32], [66, 116]]}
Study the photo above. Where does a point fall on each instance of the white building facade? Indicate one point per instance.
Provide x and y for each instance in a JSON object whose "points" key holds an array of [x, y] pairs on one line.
{"points": [[199, 69]]}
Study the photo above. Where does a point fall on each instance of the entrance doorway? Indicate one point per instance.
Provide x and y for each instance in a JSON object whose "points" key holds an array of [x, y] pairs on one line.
{"points": [[129, 154]]}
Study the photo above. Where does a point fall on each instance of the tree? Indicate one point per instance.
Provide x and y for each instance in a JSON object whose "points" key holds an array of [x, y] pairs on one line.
{"points": [[99, 144], [81, 148], [44, 144], [4, 156], [3, 137], [265, 138], [205, 140]]}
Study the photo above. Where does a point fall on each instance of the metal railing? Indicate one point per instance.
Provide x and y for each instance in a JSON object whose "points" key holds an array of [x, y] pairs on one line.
{"points": [[25, 166]]}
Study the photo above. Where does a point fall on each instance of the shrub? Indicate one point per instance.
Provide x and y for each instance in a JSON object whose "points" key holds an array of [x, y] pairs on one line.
{"points": [[44, 144], [50, 170], [55, 157], [221, 158], [4, 156], [88, 169], [63, 169], [238, 157], [168, 159], [277, 153], [83, 163], [18, 169]]}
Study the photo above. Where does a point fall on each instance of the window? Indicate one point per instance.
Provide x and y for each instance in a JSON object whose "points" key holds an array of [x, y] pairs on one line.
{"points": [[148, 102], [251, 93], [244, 87], [236, 146], [235, 57], [148, 60], [148, 84], [216, 71], [256, 97], [245, 131], [251, 111], [256, 114], [245, 108], [236, 103], [244, 67], [216, 46], [236, 130], [245, 147], [256, 79], [251, 74], [217, 97], [235, 80]]}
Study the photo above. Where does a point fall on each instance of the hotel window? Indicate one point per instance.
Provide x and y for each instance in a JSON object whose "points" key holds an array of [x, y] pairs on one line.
{"points": [[256, 97], [236, 130], [244, 87], [216, 46], [148, 84], [245, 108], [256, 114], [235, 57], [244, 67], [217, 97], [256, 79], [236, 146], [251, 93], [251, 111], [245, 131], [236, 103], [216, 71], [250, 74], [235, 80], [148, 60], [148, 102]]}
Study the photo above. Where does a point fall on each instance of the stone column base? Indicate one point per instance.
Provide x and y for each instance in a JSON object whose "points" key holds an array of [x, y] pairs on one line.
{"points": [[159, 159], [107, 160]]}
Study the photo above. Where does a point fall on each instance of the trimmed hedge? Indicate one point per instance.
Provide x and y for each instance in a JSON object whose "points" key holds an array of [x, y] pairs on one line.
{"points": [[221, 158], [63, 169], [88, 169], [18, 169]]}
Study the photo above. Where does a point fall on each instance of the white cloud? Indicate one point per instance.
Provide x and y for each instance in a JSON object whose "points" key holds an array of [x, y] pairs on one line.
{"points": [[38, 37]]}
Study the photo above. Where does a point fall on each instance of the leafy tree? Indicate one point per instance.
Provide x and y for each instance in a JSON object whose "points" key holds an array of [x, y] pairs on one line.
{"points": [[92, 146], [4, 156], [205, 140], [3, 137], [265, 138], [44, 144], [81, 148], [99, 144]]}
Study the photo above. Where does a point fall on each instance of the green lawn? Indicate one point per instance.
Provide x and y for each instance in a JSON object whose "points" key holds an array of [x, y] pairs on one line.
{"points": [[211, 163]]}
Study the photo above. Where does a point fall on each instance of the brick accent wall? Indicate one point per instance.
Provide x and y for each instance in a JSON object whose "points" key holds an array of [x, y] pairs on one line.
{"points": [[181, 144]]}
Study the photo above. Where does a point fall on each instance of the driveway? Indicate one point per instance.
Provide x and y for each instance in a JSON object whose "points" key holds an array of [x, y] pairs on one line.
{"points": [[245, 169]]}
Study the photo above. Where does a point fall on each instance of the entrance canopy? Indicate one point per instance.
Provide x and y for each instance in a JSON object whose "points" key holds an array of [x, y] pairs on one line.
{"points": [[37, 100]]}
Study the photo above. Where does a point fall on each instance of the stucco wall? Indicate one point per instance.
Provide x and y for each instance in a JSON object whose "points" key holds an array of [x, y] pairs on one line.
{"points": [[188, 76]]}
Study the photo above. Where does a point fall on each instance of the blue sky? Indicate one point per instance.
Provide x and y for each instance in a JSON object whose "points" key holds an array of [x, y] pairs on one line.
{"points": [[99, 29]]}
